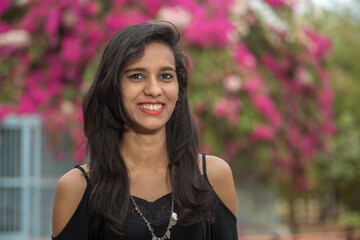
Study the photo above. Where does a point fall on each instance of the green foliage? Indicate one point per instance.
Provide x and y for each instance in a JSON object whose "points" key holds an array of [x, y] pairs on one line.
{"points": [[340, 169], [350, 219]]}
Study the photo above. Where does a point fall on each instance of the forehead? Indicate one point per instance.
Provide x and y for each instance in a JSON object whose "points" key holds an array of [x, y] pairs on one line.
{"points": [[155, 53]]}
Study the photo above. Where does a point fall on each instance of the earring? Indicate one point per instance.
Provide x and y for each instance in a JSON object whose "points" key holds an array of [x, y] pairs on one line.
{"points": [[178, 104]]}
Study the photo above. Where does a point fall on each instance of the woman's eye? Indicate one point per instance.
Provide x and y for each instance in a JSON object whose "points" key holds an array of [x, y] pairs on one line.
{"points": [[136, 76], [166, 76]]}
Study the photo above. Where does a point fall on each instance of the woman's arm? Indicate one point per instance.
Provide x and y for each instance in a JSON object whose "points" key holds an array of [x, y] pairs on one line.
{"points": [[220, 176], [68, 194]]}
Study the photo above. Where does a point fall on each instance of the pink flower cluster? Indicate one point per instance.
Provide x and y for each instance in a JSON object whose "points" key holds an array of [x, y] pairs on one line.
{"points": [[65, 36], [294, 83], [276, 4], [318, 45], [244, 58], [228, 108], [53, 46], [209, 25]]}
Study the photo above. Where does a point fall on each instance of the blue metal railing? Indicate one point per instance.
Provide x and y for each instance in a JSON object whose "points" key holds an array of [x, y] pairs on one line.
{"points": [[28, 175]]}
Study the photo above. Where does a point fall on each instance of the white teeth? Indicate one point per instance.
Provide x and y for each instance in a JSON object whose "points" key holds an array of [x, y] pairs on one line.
{"points": [[151, 107]]}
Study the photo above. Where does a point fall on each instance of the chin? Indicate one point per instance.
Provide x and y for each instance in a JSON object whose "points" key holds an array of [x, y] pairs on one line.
{"points": [[148, 129]]}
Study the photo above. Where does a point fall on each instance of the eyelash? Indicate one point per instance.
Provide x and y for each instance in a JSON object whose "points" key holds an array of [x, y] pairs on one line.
{"points": [[168, 76], [138, 76]]}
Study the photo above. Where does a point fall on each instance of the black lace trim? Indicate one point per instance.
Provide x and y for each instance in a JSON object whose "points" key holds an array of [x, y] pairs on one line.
{"points": [[157, 212]]}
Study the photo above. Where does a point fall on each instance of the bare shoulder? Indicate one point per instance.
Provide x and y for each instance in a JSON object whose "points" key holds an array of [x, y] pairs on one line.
{"points": [[68, 193], [221, 178]]}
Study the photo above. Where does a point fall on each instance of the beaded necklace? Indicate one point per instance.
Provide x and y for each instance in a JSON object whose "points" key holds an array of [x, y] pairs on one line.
{"points": [[172, 221]]}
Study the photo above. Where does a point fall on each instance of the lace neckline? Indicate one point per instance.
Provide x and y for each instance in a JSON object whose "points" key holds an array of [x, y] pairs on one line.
{"points": [[157, 212], [160, 199]]}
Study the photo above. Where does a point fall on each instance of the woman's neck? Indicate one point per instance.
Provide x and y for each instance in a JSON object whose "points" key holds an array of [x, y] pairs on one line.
{"points": [[144, 150], [146, 158]]}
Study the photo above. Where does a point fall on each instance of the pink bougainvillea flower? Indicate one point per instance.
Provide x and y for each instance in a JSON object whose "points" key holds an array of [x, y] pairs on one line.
{"points": [[55, 70], [26, 105], [233, 117], [152, 7], [222, 7], [330, 128], [319, 46], [272, 64], [4, 110], [307, 145], [294, 134], [92, 9], [53, 21], [120, 2], [33, 79], [79, 114], [220, 109], [228, 108], [263, 103], [94, 36], [266, 107], [118, 20], [5, 5], [244, 57], [4, 27], [201, 107], [255, 85], [55, 88], [71, 51], [79, 154], [30, 22], [206, 32], [263, 133], [275, 3], [326, 96], [325, 100], [39, 96], [232, 83], [114, 22]]}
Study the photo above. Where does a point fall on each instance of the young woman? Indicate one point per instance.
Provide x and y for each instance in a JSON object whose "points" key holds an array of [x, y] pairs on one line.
{"points": [[144, 178]]}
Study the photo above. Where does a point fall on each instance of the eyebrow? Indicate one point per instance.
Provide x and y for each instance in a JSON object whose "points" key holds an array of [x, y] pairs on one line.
{"points": [[168, 69], [139, 69]]}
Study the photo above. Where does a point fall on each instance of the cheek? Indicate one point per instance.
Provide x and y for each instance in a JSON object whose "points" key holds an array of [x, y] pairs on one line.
{"points": [[127, 97]]}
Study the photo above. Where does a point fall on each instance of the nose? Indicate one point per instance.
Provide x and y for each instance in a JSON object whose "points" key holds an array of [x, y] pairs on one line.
{"points": [[153, 88]]}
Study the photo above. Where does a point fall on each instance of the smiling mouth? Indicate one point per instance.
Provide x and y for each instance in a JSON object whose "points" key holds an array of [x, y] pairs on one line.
{"points": [[151, 107]]}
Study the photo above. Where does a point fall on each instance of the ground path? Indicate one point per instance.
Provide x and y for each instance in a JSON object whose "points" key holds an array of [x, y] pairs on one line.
{"points": [[303, 236]]}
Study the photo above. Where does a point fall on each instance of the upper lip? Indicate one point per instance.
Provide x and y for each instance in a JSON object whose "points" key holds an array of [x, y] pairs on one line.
{"points": [[150, 102]]}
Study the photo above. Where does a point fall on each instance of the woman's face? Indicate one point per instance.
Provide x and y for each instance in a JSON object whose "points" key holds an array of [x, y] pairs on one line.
{"points": [[150, 88]]}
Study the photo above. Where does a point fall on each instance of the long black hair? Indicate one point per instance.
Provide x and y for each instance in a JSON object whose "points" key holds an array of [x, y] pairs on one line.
{"points": [[105, 119]]}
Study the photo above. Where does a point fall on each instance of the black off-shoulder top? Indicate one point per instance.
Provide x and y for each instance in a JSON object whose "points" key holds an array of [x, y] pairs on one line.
{"points": [[157, 213]]}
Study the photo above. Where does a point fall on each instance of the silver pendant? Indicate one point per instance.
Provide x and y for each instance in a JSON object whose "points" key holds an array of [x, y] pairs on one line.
{"points": [[168, 234]]}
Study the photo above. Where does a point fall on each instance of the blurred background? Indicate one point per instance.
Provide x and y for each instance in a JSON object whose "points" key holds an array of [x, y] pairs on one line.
{"points": [[273, 88]]}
